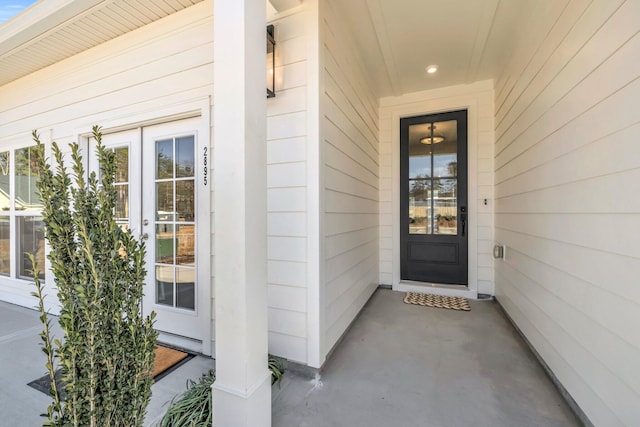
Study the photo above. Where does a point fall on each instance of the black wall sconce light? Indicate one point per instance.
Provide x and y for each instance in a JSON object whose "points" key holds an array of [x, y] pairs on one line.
{"points": [[271, 63]]}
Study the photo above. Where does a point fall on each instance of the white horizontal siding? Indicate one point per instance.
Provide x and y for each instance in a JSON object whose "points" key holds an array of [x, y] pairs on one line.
{"points": [[350, 180], [567, 172], [287, 192]]}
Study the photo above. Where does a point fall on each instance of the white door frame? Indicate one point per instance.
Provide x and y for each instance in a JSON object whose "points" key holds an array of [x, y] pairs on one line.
{"points": [[192, 109]]}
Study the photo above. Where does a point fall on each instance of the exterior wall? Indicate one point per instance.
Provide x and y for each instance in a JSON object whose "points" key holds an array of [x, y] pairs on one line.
{"points": [[160, 70], [567, 174], [349, 180], [287, 139], [477, 98]]}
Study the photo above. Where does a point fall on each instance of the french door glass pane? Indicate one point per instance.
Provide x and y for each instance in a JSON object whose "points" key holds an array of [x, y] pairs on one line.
{"points": [[164, 243], [121, 211], [185, 245], [122, 164], [185, 281], [164, 159], [184, 157], [185, 200], [122, 203], [5, 260], [164, 201], [5, 196], [164, 285]]}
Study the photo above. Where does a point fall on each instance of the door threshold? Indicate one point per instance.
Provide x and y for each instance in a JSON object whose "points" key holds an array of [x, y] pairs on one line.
{"points": [[180, 342], [436, 289]]}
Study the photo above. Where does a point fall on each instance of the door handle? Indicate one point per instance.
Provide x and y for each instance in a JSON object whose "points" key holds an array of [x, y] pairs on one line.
{"points": [[463, 219], [144, 236]]}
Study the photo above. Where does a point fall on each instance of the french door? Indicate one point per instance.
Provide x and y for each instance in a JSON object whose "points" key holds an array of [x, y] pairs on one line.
{"points": [[433, 211], [161, 197]]}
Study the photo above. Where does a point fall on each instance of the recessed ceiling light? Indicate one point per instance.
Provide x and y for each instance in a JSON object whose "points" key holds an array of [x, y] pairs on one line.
{"points": [[431, 69]]}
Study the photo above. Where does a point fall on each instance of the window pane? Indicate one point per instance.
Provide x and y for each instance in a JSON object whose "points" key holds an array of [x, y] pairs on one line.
{"points": [[185, 245], [30, 240], [5, 258], [185, 200], [420, 206], [122, 164], [164, 244], [445, 153], [26, 175], [164, 159], [446, 207], [5, 196], [164, 201], [122, 202], [164, 285], [419, 152], [186, 289], [184, 157]]}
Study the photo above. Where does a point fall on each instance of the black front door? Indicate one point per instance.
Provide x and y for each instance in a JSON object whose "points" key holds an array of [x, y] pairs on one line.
{"points": [[433, 187]]}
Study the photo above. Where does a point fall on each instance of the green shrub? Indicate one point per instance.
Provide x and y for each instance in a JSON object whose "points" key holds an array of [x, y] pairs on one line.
{"points": [[276, 368], [193, 407], [107, 354]]}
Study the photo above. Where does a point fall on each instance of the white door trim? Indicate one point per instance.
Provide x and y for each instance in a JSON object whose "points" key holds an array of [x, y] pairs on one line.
{"points": [[433, 106]]}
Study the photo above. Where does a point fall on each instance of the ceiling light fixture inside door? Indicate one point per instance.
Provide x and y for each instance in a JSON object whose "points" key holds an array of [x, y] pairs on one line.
{"points": [[431, 137]]}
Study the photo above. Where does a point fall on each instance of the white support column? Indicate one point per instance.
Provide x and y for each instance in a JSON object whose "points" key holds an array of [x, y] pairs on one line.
{"points": [[242, 391]]}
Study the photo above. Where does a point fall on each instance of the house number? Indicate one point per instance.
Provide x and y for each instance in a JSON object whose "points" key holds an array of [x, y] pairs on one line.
{"points": [[204, 164]]}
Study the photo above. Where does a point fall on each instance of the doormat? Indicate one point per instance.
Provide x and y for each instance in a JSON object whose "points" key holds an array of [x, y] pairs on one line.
{"points": [[167, 360], [439, 301]]}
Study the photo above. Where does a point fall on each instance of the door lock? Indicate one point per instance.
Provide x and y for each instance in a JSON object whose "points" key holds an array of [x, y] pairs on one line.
{"points": [[145, 222]]}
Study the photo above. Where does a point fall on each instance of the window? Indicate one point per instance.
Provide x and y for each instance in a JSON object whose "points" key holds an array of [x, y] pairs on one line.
{"points": [[20, 216]]}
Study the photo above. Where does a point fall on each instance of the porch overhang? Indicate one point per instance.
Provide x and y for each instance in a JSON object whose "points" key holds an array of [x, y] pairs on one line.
{"points": [[53, 30]]}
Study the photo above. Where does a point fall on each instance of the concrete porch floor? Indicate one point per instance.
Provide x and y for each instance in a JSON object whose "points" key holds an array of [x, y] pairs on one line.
{"points": [[399, 365], [404, 365]]}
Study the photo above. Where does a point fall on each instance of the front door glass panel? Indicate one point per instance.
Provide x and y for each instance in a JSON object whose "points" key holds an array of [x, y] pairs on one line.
{"points": [[433, 176]]}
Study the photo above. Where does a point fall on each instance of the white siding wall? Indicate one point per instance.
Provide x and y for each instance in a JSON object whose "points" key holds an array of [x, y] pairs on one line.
{"points": [[287, 190], [567, 175], [141, 76], [349, 177], [477, 99]]}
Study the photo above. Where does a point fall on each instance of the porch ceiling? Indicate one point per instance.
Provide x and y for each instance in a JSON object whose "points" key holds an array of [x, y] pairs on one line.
{"points": [[52, 30], [468, 40]]}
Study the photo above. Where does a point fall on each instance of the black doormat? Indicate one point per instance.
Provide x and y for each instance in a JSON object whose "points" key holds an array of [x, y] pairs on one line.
{"points": [[170, 358]]}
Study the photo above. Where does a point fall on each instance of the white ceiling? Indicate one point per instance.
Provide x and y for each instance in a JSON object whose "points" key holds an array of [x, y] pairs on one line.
{"points": [[470, 40]]}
